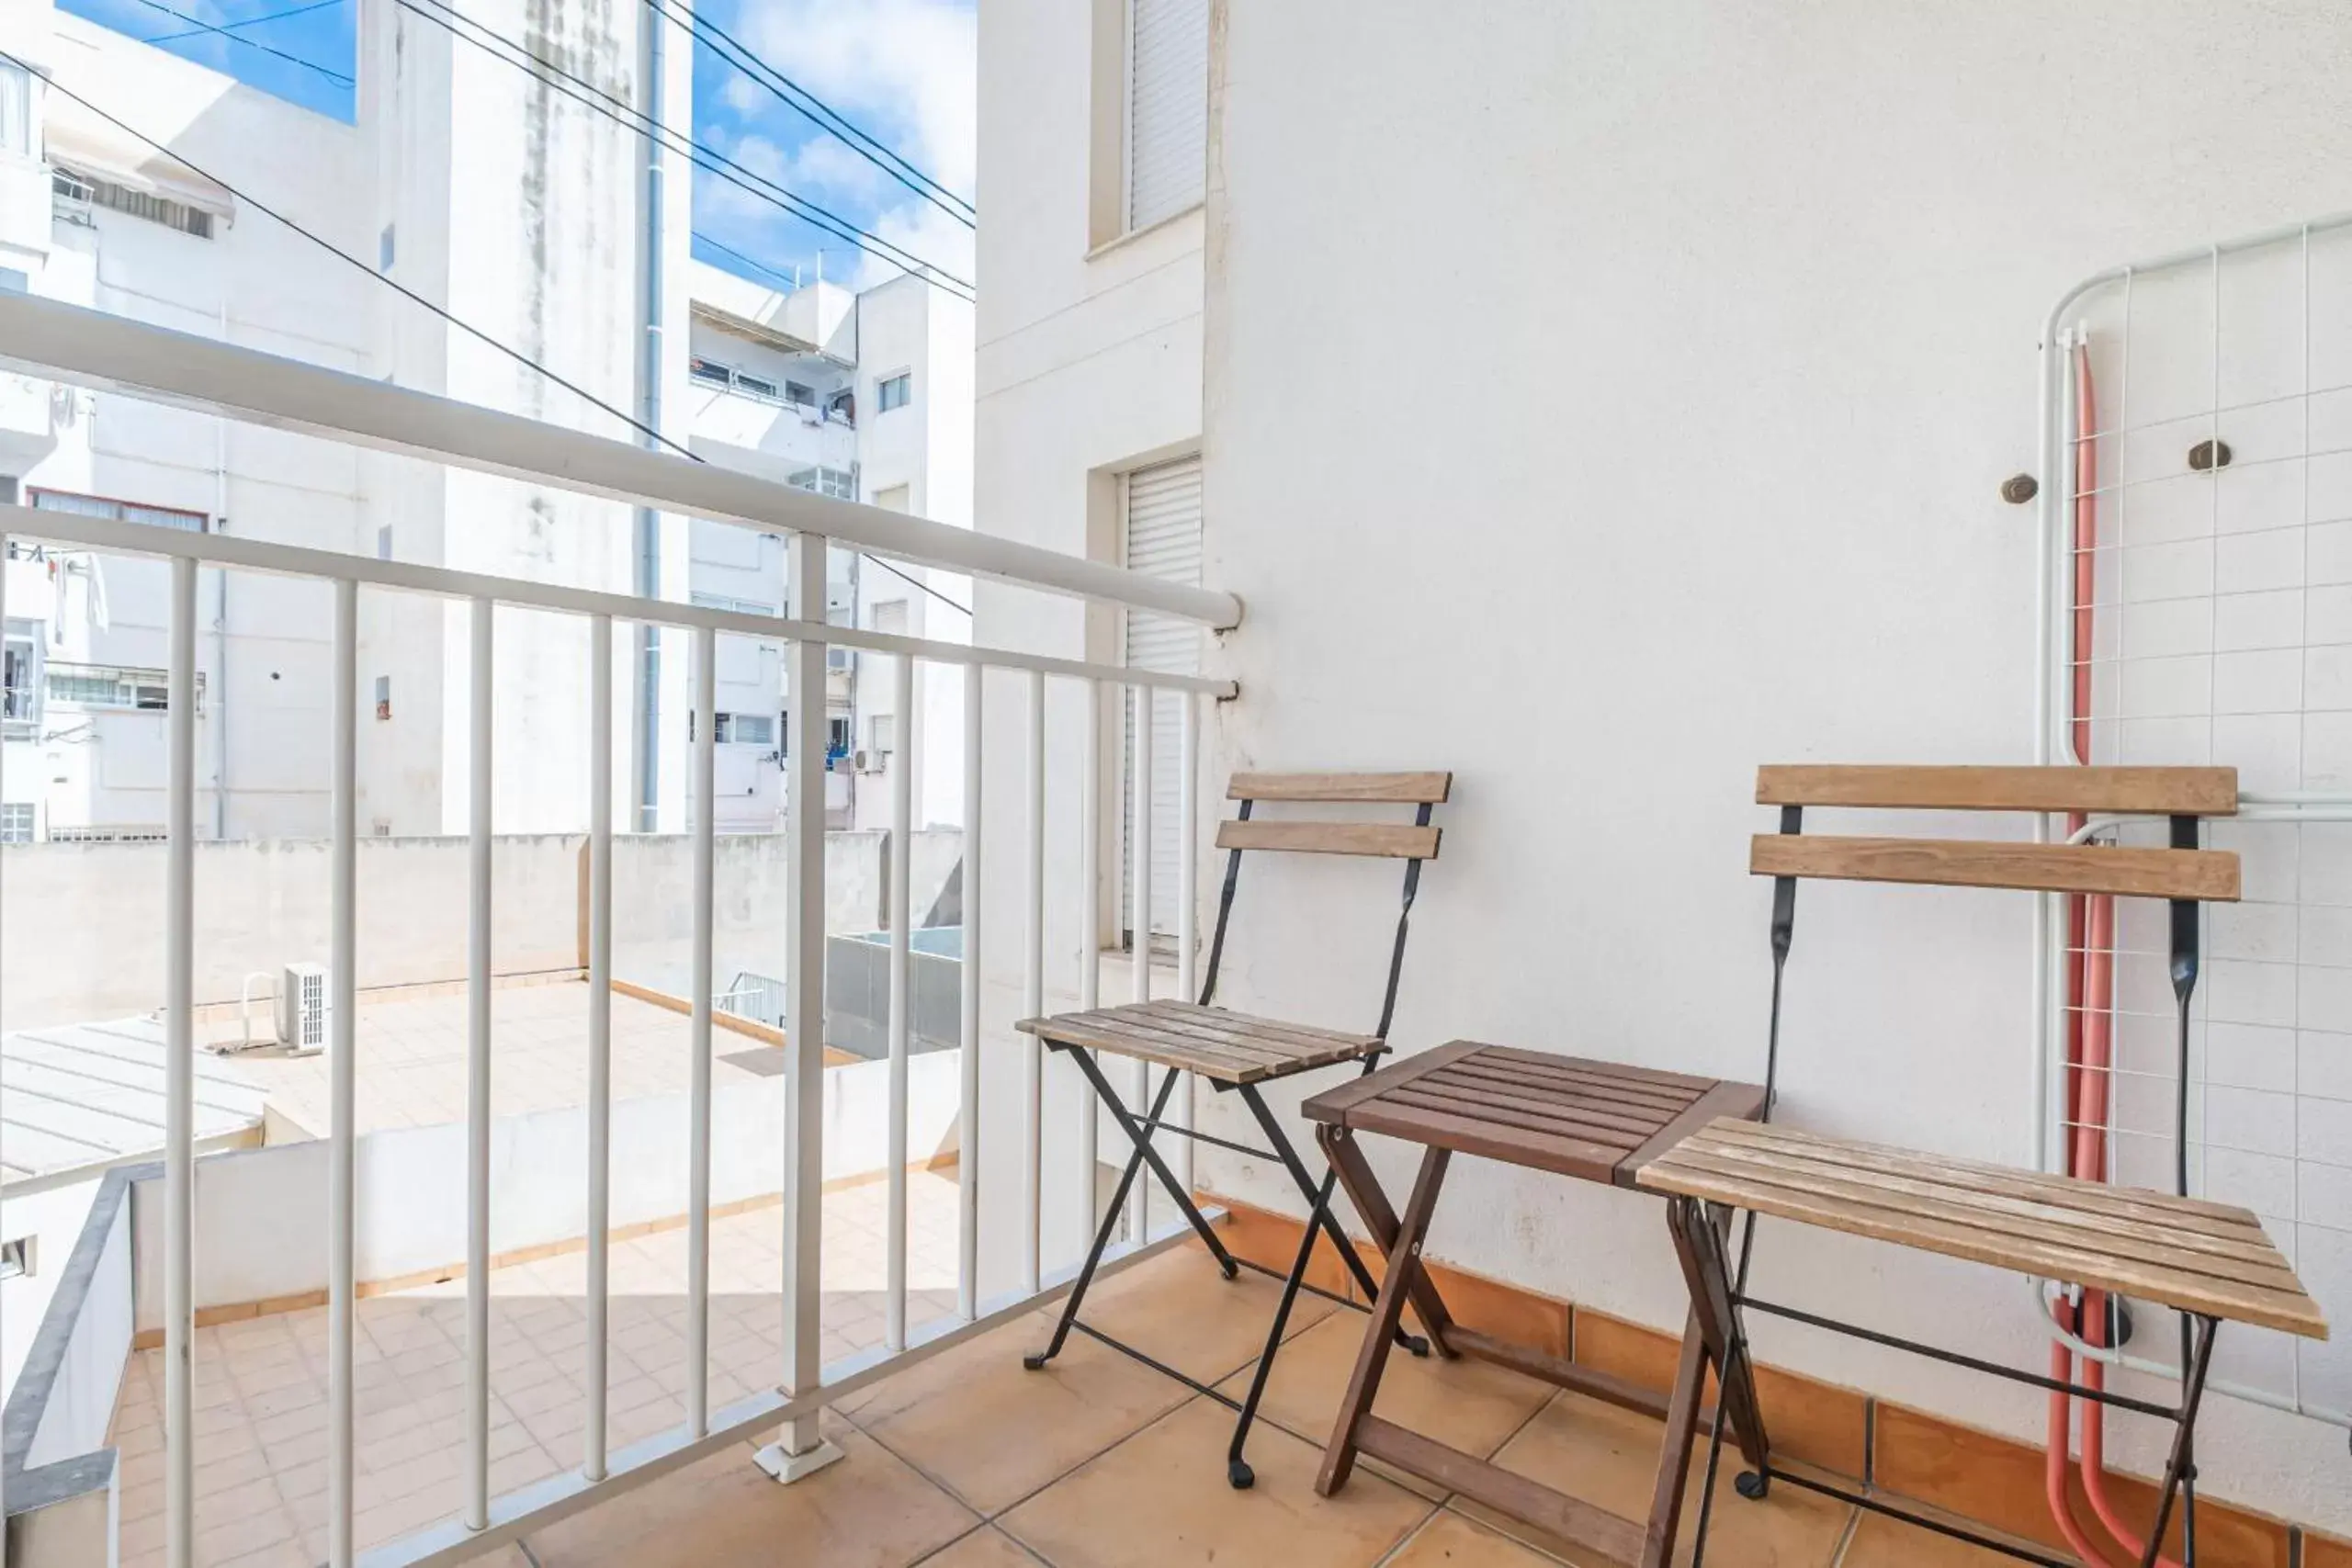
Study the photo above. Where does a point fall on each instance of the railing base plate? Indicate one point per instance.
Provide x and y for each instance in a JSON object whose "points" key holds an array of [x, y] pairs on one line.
{"points": [[788, 1468]]}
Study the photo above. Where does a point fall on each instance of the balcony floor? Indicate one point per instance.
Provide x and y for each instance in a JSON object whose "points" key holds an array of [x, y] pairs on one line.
{"points": [[968, 1460]]}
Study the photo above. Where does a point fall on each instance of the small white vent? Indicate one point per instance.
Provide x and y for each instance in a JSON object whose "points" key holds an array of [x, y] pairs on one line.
{"points": [[302, 1008]]}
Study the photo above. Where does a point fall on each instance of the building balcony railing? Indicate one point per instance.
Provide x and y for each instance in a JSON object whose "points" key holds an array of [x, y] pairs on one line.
{"points": [[49, 340]]}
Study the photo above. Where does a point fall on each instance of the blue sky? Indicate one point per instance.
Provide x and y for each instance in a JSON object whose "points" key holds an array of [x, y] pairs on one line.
{"points": [[901, 70]]}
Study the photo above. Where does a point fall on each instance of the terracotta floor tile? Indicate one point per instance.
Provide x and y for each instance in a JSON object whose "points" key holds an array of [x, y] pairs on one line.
{"points": [[987, 1547], [1463, 1404], [1179, 1308], [1449, 1540], [1881, 1542], [992, 1431], [867, 1511], [1608, 1457], [1160, 1498]]}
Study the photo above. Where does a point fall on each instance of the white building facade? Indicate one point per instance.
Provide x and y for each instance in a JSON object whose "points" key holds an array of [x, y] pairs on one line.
{"points": [[421, 190]]}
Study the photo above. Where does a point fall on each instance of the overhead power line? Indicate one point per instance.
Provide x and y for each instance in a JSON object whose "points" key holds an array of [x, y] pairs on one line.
{"points": [[815, 110], [243, 22], [517, 355], [631, 119], [200, 25]]}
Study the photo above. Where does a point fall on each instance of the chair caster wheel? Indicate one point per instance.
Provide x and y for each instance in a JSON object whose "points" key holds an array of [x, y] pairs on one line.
{"points": [[1239, 1473], [1416, 1344], [1034, 1363], [1751, 1486]]}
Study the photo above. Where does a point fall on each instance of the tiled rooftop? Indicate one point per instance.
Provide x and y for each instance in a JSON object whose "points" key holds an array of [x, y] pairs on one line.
{"points": [[412, 1056], [965, 1461]]}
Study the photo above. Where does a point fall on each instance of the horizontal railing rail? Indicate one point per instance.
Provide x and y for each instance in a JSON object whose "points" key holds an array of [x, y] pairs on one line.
{"points": [[90, 348]]}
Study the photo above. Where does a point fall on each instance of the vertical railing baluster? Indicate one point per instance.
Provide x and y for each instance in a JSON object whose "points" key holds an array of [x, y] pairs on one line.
{"points": [[1033, 991], [968, 1105], [805, 1029], [179, 1080], [902, 796], [1089, 928], [477, 983], [706, 805], [1139, 975], [1188, 895], [342, 1072], [600, 1038]]}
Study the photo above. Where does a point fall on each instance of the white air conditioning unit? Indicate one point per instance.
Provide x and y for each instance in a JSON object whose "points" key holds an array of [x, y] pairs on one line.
{"points": [[302, 1009], [866, 763]]}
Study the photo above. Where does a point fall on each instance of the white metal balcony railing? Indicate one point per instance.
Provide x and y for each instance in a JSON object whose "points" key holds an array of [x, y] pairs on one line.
{"points": [[47, 339]]}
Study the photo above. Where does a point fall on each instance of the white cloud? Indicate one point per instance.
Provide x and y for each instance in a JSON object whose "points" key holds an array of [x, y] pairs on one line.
{"points": [[903, 70]]}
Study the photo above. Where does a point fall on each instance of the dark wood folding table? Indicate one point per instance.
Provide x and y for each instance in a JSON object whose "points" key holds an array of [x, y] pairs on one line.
{"points": [[1594, 1121]]}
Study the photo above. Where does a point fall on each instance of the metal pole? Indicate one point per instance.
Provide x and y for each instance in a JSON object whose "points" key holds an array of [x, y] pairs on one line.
{"points": [[180, 1083], [1033, 993], [967, 1128], [343, 1070], [600, 1035], [1139, 954], [903, 796], [1188, 895], [699, 1088], [1089, 926], [477, 936], [800, 1450]]}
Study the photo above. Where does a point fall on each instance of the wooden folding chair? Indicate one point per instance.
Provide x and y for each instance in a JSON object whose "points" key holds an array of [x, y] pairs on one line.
{"points": [[2210, 1262], [1236, 1054]]}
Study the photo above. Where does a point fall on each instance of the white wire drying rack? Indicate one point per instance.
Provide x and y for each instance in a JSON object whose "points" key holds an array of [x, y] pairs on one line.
{"points": [[2219, 468]]}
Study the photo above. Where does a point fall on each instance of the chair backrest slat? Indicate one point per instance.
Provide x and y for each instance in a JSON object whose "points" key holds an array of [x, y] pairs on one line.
{"points": [[1395, 840], [1411, 789], [2206, 875], [2168, 792]]}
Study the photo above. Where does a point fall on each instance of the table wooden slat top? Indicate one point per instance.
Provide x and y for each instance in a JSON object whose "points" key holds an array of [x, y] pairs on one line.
{"points": [[1216, 1043], [2189, 1254], [1597, 1120]]}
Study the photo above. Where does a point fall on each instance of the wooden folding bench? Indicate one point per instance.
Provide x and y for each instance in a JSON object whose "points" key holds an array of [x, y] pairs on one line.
{"points": [[1592, 1120], [1236, 1054], [2210, 1262]]}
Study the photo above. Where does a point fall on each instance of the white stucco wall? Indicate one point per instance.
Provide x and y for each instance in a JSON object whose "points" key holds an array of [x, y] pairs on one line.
{"points": [[1737, 339], [1087, 363]]}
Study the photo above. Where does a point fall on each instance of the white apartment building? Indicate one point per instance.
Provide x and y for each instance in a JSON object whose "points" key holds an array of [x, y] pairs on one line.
{"points": [[423, 188], [863, 395]]}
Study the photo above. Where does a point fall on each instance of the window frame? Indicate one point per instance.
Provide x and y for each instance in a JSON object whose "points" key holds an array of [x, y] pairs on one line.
{"points": [[904, 381]]}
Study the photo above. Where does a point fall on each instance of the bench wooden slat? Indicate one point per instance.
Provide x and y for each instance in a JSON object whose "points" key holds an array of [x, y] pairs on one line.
{"points": [[1229, 1047], [1988, 1211], [2091, 1197], [2166, 792], [2207, 874], [1809, 1186], [1395, 841], [1411, 789]]}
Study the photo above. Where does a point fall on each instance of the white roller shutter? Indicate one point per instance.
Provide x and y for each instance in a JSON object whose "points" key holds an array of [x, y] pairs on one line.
{"points": [[1163, 539], [1168, 108]]}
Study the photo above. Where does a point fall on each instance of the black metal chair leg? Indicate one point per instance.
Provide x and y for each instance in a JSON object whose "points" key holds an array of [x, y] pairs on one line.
{"points": [[1141, 1136], [1103, 1233], [1319, 1215], [2184, 1447], [1237, 1469]]}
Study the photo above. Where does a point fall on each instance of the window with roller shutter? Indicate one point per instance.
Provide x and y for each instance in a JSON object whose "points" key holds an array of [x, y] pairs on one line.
{"points": [[1162, 507]]}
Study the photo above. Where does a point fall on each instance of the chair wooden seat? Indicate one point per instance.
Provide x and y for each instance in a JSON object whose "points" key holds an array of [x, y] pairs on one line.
{"points": [[1599, 1121], [1216, 1043], [2198, 1257]]}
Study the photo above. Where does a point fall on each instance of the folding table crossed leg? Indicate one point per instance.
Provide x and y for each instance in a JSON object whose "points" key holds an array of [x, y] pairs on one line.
{"points": [[1210, 1042]]}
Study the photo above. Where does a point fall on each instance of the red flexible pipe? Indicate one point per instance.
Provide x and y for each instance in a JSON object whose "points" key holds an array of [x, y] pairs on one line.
{"points": [[2091, 1024]]}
